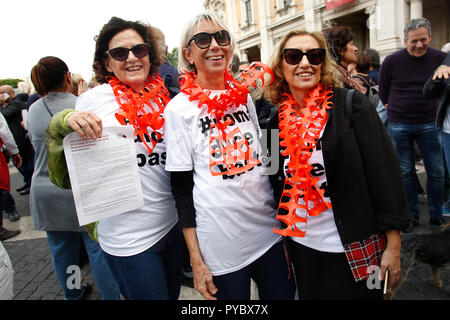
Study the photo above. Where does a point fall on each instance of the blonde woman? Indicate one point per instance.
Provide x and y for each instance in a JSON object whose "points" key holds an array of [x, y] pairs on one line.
{"points": [[340, 194], [226, 209]]}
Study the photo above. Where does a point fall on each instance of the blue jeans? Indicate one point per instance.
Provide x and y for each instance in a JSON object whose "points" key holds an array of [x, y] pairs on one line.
{"points": [[7, 204], [154, 274], [428, 140], [445, 137], [65, 248], [270, 273]]}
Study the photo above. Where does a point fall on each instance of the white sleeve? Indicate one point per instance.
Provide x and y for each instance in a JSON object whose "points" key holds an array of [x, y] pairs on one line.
{"points": [[177, 136], [7, 137], [83, 102]]}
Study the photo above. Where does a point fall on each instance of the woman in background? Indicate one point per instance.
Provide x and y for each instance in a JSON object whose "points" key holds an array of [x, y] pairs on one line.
{"points": [[343, 50], [52, 208]]}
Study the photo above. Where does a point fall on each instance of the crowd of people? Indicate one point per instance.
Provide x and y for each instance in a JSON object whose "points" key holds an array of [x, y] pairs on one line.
{"points": [[342, 129]]}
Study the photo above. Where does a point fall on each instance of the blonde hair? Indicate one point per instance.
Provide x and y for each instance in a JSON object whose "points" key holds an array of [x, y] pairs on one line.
{"points": [[190, 30], [329, 73]]}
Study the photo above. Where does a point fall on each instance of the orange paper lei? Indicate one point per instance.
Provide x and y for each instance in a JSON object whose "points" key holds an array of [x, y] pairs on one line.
{"points": [[300, 136], [137, 110], [237, 155]]}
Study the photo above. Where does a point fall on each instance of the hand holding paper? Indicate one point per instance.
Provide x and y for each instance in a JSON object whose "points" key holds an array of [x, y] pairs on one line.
{"points": [[103, 174]]}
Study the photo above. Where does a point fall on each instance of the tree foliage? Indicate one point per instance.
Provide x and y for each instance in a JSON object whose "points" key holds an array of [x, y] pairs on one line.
{"points": [[172, 57], [11, 82]]}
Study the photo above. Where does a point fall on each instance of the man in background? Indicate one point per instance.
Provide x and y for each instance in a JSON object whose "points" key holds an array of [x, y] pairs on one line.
{"points": [[411, 116]]}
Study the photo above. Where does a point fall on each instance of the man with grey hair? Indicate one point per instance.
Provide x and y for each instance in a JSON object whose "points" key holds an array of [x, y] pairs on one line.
{"points": [[411, 116]]}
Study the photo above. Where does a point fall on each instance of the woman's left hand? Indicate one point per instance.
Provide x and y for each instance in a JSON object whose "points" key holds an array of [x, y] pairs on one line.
{"points": [[390, 260]]}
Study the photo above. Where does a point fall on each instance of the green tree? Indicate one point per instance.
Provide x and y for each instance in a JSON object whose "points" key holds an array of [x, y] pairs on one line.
{"points": [[172, 57], [11, 82]]}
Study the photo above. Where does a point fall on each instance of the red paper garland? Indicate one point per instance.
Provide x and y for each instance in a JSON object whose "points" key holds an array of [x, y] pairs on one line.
{"points": [[233, 150], [136, 107], [300, 136]]}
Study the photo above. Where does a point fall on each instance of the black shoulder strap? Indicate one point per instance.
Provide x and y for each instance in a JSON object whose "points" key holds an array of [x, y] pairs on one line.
{"points": [[46, 107], [348, 104]]}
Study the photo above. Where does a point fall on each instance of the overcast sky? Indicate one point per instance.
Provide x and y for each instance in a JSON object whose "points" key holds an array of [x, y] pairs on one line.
{"points": [[32, 29]]}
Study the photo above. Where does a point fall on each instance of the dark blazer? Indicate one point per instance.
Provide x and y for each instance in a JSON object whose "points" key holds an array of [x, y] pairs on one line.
{"points": [[439, 88], [362, 169]]}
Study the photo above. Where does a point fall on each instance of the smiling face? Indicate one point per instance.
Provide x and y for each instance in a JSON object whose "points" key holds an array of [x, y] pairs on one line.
{"points": [[349, 54], [304, 76], [418, 42], [210, 62], [132, 71]]}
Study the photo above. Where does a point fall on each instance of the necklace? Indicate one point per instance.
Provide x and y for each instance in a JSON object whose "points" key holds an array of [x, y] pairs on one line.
{"points": [[136, 108], [299, 136], [235, 154]]}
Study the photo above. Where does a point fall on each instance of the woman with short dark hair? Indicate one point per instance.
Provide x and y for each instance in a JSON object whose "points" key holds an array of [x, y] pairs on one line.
{"points": [[142, 246], [53, 209], [343, 50], [109, 30]]}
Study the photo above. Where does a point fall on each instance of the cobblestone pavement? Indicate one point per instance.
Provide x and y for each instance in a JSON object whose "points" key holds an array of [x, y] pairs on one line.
{"points": [[34, 278]]}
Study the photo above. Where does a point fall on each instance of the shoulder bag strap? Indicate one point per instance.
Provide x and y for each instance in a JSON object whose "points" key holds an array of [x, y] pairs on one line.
{"points": [[348, 104], [46, 107]]}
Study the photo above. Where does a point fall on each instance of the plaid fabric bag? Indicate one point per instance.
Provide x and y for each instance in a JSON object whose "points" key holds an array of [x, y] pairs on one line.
{"points": [[363, 254]]}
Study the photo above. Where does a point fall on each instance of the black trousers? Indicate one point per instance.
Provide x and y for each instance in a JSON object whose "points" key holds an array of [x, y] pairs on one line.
{"points": [[326, 276], [7, 204]]}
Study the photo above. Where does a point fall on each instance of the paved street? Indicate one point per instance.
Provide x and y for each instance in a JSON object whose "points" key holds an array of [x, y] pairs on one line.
{"points": [[34, 278]]}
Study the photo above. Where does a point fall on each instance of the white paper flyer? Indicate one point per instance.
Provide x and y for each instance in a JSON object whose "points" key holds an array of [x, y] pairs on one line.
{"points": [[103, 174]]}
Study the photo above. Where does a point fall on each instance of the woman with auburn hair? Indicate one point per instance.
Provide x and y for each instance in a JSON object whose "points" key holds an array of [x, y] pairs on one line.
{"points": [[142, 246], [340, 193], [213, 150]]}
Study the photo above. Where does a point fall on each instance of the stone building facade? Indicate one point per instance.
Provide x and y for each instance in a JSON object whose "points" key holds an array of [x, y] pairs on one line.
{"points": [[258, 25]]}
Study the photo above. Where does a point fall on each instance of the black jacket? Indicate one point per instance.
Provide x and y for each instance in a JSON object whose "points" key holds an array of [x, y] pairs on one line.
{"points": [[362, 169], [439, 88], [13, 115]]}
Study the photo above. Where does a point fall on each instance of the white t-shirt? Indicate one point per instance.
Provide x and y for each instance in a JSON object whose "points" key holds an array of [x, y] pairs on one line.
{"points": [[135, 231], [234, 214], [321, 231], [6, 275]]}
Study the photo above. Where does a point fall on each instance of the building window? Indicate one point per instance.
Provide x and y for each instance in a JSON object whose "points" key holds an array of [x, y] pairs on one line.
{"points": [[248, 12], [286, 3], [283, 5]]}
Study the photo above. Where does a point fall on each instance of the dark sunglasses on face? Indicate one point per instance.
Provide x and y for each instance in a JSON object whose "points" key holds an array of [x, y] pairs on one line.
{"points": [[203, 39], [294, 56], [121, 53]]}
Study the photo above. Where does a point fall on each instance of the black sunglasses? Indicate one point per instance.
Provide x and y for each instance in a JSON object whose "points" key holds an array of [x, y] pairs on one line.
{"points": [[121, 53], [203, 39], [294, 56]]}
